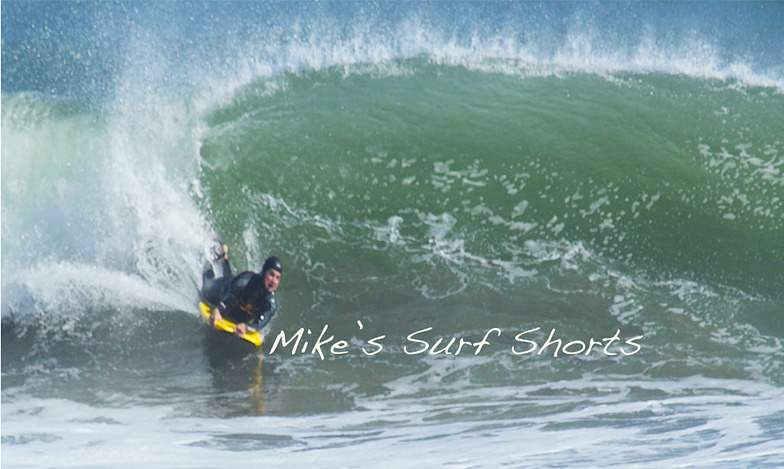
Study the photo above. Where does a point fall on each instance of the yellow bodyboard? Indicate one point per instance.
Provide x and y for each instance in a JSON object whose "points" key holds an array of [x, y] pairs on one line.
{"points": [[251, 335]]}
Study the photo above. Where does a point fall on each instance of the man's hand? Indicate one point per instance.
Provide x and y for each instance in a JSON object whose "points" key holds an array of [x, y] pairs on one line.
{"points": [[216, 316], [239, 330]]}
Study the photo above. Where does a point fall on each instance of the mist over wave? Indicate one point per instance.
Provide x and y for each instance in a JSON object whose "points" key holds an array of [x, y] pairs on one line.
{"points": [[168, 46]]}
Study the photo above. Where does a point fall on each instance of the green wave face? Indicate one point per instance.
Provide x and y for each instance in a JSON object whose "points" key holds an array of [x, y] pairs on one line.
{"points": [[671, 175]]}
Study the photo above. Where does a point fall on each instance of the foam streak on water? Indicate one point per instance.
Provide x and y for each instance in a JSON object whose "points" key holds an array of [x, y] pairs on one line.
{"points": [[520, 426]]}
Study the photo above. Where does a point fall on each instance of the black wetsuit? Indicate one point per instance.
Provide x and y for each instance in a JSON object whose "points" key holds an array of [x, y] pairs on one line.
{"points": [[240, 298]]}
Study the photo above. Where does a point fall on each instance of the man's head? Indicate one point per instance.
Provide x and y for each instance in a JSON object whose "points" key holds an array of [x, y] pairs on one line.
{"points": [[271, 272]]}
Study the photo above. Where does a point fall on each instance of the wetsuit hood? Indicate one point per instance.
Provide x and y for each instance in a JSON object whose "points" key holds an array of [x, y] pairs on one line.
{"points": [[272, 263]]}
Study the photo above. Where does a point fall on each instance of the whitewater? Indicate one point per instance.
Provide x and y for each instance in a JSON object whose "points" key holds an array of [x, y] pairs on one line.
{"points": [[513, 233]]}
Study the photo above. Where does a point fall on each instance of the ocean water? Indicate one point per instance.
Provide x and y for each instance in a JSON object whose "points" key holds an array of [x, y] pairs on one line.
{"points": [[514, 234]]}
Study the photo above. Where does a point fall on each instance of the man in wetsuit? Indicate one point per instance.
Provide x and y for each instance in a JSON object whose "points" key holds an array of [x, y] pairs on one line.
{"points": [[247, 299]]}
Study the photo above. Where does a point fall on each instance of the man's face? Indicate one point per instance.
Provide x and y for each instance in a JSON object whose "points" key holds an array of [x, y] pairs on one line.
{"points": [[271, 280]]}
